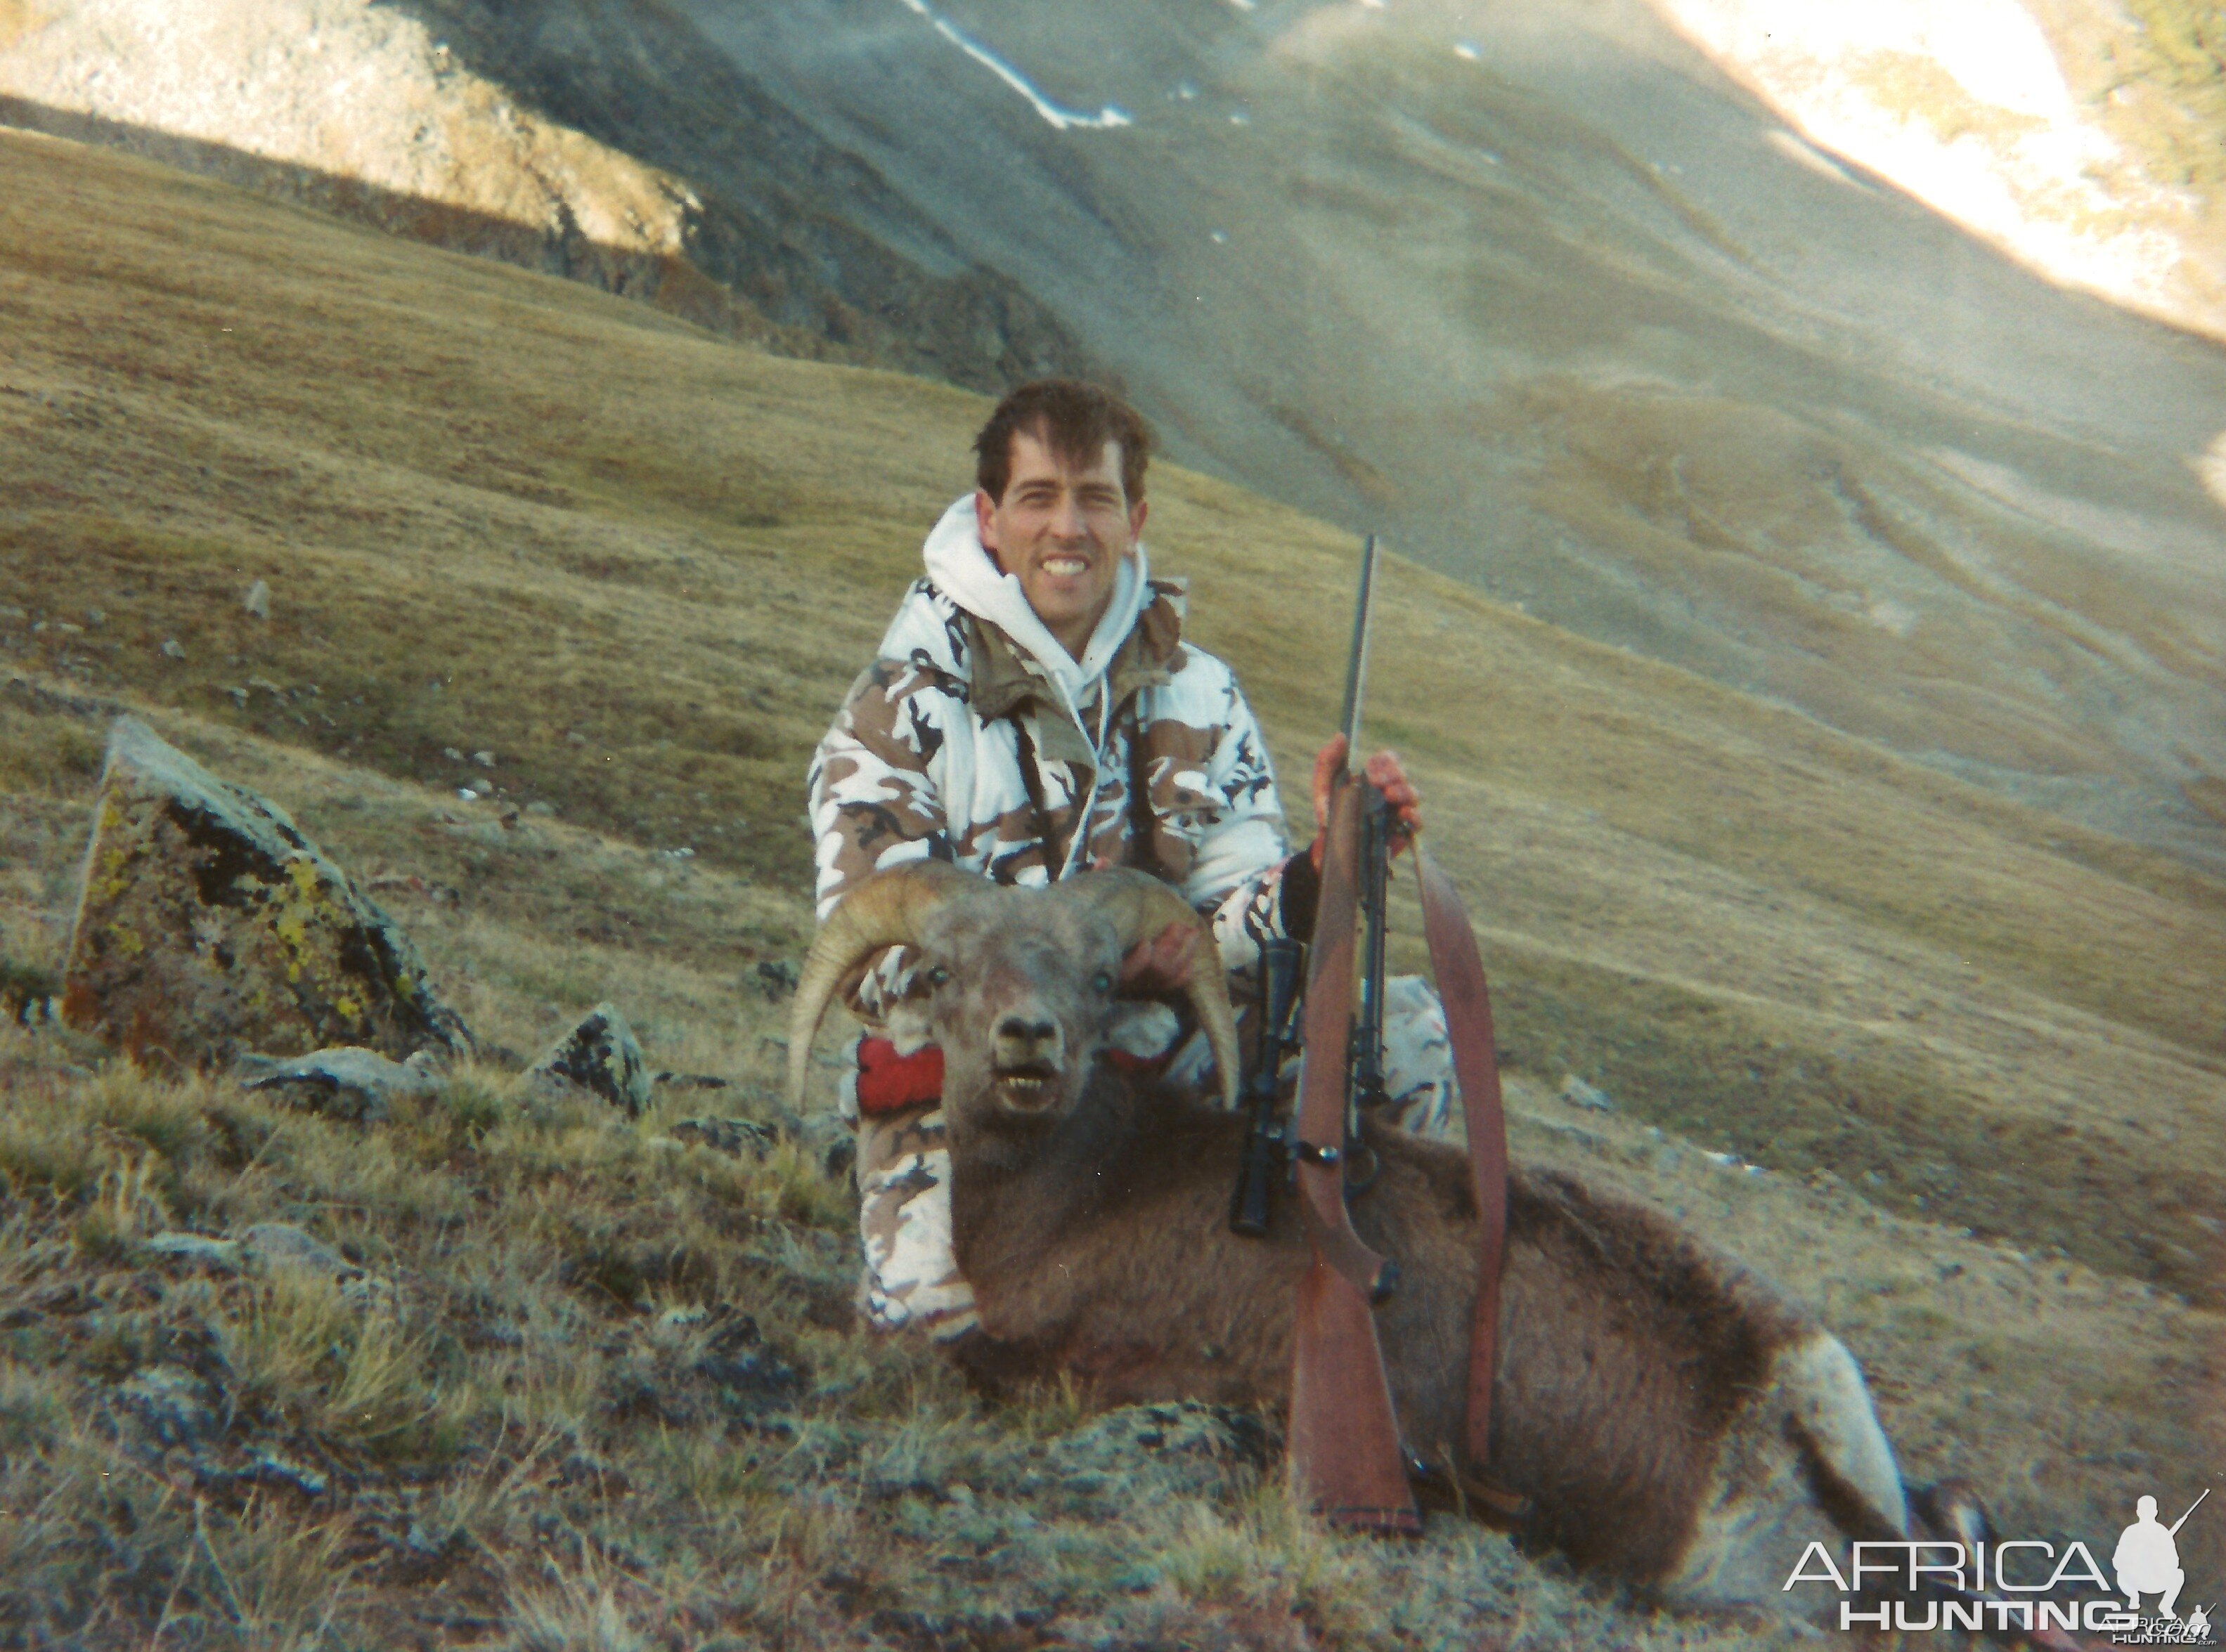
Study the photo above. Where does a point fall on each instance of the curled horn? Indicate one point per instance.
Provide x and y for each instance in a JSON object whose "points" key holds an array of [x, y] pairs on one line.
{"points": [[886, 910], [1140, 907]]}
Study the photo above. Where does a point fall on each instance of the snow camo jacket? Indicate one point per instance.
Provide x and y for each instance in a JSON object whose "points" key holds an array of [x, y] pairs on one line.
{"points": [[956, 746]]}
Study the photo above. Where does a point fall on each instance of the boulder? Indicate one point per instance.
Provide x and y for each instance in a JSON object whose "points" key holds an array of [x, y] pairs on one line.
{"points": [[345, 1082], [599, 1056], [207, 925]]}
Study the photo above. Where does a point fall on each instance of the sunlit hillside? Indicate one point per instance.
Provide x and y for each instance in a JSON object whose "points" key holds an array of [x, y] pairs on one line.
{"points": [[1972, 1049]]}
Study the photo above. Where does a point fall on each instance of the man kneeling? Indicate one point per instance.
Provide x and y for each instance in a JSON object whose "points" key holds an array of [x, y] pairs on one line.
{"points": [[1035, 711]]}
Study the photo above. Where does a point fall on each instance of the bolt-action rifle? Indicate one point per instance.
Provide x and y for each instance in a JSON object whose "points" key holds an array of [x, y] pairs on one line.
{"points": [[1348, 1458], [1345, 1456]]}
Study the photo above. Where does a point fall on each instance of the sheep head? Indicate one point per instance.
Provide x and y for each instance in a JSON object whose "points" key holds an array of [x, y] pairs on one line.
{"points": [[1023, 984]]}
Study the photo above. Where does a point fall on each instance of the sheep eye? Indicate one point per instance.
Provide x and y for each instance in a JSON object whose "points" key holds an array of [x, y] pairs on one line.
{"points": [[1101, 981], [938, 976]]}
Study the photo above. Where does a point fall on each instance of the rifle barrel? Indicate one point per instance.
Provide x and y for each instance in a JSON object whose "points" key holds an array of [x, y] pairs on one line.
{"points": [[1356, 671], [2191, 1508]]}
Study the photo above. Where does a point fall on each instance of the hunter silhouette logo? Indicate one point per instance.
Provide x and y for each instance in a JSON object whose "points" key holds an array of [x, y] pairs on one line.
{"points": [[2147, 1558], [2146, 1562], [2023, 1585]]}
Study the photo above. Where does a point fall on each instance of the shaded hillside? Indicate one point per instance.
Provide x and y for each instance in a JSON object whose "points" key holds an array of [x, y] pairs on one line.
{"points": [[637, 565]]}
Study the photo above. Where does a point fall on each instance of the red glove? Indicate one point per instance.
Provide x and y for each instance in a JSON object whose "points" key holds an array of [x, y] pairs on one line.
{"points": [[889, 1083], [1384, 772]]}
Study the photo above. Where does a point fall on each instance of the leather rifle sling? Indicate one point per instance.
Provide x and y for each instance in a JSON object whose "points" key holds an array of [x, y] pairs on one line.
{"points": [[1345, 1454], [1459, 970]]}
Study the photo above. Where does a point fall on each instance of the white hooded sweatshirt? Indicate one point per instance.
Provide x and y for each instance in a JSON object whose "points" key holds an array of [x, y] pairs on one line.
{"points": [[976, 737]]}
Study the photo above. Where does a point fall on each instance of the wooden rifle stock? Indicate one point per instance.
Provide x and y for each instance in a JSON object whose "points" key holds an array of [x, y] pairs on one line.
{"points": [[1345, 1458]]}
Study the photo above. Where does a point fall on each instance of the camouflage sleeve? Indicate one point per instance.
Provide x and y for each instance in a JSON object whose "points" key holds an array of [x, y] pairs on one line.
{"points": [[876, 803], [1238, 877]]}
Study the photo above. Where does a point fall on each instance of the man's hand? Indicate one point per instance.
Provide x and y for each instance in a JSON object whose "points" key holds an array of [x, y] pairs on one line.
{"points": [[1385, 774], [1163, 964]]}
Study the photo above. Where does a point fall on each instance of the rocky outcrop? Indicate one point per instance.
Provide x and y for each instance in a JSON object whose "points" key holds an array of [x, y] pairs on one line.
{"points": [[599, 1056], [207, 926]]}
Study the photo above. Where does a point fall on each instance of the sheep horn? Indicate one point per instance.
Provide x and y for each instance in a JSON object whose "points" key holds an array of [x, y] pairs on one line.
{"points": [[1140, 907], [885, 910]]}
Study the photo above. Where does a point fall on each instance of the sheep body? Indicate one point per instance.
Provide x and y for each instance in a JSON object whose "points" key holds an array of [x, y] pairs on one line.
{"points": [[1671, 1417]]}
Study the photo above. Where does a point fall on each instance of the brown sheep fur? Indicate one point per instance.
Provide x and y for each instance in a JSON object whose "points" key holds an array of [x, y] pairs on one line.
{"points": [[1671, 1418]]}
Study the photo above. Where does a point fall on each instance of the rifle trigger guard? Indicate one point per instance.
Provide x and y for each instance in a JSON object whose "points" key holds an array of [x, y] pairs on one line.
{"points": [[1311, 1154]]}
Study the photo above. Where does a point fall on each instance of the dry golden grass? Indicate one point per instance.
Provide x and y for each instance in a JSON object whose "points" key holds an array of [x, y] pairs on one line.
{"points": [[1925, 1009]]}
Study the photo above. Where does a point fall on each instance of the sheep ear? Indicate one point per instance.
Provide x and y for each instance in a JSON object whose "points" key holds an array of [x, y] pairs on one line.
{"points": [[886, 910], [1140, 907]]}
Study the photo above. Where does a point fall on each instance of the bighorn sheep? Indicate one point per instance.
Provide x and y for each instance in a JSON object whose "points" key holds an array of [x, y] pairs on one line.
{"points": [[1670, 1417]]}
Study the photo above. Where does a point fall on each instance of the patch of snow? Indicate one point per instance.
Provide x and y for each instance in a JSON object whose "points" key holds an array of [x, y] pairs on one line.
{"points": [[1057, 118], [1808, 155]]}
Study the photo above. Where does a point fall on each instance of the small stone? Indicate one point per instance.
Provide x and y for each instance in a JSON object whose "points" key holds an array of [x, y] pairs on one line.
{"points": [[539, 808], [238, 697], [599, 1056], [452, 754], [271, 1246], [347, 1082], [736, 1137], [172, 648], [269, 1468], [172, 1403], [196, 1247], [485, 760], [257, 600], [1577, 1093]]}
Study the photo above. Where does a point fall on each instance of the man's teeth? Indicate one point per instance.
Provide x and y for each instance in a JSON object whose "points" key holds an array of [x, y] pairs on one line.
{"points": [[1063, 565]]}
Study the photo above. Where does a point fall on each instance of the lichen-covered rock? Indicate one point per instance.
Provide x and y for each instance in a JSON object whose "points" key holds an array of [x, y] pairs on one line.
{"points": [[208, 925], [346, 1083], [599, 1056]]}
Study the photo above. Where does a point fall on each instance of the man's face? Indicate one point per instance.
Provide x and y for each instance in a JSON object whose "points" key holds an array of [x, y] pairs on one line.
{"points": [[1061, 531]]}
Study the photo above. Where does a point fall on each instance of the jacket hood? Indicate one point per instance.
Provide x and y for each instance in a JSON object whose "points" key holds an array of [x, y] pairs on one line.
{"points": [[963, 570]]}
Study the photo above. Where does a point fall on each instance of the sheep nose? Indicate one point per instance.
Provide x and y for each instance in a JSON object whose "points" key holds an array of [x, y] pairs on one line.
{"points": [[1021, 1040]]}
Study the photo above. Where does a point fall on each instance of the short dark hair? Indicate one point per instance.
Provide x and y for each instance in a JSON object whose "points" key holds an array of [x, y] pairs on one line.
{"points": [[1075, 420]]}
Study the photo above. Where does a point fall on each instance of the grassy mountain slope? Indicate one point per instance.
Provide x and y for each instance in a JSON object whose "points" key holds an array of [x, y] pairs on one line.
{"points": [[637, 566]]}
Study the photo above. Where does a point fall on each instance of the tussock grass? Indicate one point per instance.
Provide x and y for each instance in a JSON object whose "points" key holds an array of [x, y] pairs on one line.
{"points": [[593, 1388]]}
